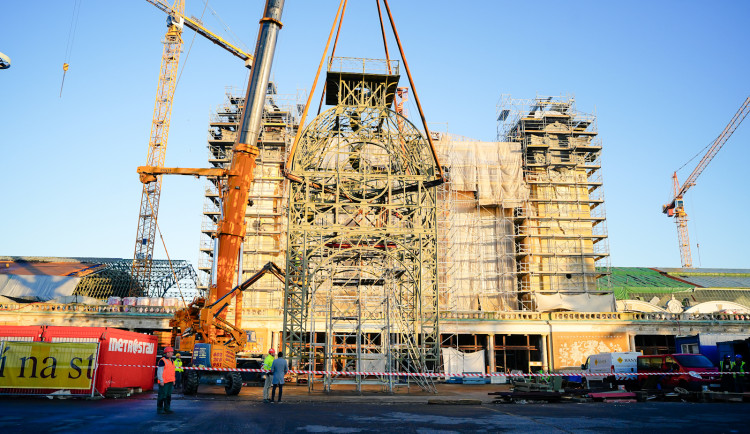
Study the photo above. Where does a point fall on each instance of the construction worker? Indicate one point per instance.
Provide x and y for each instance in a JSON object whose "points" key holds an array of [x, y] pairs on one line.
{"points": [[727, 380], [739, 374], [165, 373], [178, 371], [267, 364]]}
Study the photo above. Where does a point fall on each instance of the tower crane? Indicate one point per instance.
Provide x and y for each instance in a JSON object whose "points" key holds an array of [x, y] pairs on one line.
{"points": [[676, 207], [157, 146]]}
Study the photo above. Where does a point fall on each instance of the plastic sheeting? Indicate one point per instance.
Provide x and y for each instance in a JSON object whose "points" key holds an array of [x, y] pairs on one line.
{"points": [[575, 302], [457, 362], [485, 180], [482, 249], [37, 287], [493, 170], [372, 362]]}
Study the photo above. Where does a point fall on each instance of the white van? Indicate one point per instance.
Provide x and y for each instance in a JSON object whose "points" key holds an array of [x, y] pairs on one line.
{"points": [[610, 363]]}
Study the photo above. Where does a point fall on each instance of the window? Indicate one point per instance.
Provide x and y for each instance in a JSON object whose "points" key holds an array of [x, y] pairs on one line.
{"points": [[689, 348], [694, 361]]}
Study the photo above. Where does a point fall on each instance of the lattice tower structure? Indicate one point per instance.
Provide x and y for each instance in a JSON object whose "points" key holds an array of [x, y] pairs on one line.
{"points": [[157, 149], [562, 232], [265, 216], [362, 236]]}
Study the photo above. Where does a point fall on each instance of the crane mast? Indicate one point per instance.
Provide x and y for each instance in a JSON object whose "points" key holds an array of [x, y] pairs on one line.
{"points": [[149, 209], [157, 149], [676, 207]]}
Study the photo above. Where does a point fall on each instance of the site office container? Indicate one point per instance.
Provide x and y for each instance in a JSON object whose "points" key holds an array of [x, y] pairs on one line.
{"points": [[706, 344], [21, 333], [695, 371], [136, 351]]}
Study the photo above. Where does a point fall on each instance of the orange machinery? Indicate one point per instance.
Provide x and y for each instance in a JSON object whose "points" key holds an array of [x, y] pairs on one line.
{"points": [[202, 327]]}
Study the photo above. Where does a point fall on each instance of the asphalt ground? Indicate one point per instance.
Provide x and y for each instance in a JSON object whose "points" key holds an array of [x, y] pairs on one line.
{"points": [[344, 411]]}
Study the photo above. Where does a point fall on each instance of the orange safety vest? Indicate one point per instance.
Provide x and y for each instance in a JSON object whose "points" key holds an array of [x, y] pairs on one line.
{"points": [[168, 374]]}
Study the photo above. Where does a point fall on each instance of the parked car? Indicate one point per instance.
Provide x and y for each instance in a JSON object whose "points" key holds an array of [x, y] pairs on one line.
{"points": [[694, 372]]}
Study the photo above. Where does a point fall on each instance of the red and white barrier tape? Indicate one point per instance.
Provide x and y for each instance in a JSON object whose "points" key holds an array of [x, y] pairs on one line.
{"points": [[436, 374]]}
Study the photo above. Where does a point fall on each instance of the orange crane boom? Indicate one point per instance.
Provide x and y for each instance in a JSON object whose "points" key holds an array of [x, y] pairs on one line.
{"points": [[676, 207], [202, 326]]}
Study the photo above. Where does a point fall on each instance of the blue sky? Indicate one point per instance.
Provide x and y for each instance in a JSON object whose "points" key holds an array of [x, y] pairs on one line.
{"points": [[663, 77]]}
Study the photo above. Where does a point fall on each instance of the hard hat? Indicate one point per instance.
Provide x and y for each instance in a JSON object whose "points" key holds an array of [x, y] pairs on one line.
{"points": [[169, 350], [727, 356], [271, 351], [738, 356]]}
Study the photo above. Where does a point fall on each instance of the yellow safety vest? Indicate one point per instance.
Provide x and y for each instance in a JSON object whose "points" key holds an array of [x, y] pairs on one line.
{"points": [[178, 365]]}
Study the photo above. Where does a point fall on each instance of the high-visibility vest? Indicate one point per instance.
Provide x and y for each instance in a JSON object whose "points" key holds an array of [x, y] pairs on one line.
{"points": [[739, 368], [167, 374], [178, 365], [268, 362]]}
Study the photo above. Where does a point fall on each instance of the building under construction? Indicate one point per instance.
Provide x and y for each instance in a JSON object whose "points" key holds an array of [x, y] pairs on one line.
{"points": [[523, 281], [376, 252]]}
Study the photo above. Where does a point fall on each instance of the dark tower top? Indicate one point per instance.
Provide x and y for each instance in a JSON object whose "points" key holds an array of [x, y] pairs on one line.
{"points": [[361, 82]]}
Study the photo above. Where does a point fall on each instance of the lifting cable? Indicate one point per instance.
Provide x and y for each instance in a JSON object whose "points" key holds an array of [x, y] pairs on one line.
{"points": [[169, 261], [187, 55], [441, 178], [71, 38], [333, 52], [288, 164], [385, 41], [338, 19]]}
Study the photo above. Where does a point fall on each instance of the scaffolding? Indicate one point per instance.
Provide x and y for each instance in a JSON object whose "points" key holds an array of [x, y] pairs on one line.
{"points": [[265, 216], [362, 237], [561, 232], [478, 251]]}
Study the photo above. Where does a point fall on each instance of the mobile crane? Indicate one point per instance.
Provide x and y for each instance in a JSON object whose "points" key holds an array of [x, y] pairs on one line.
{"points": [[202, 327]]}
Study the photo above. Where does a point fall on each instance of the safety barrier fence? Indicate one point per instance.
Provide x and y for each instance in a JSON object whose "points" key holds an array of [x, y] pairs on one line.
{"points": [[444, 315], [441, 374]]}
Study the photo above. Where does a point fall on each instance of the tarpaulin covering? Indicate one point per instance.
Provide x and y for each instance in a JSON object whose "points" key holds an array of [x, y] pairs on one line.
{"points": [[458, 362], [492, 170], [35, 268], [575, 302], [481, 242], [37, 287]]}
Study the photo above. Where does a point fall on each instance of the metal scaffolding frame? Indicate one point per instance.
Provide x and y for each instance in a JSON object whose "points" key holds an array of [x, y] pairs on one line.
{"points": [[562, 229], [362, 231], [115, 278], [265, 216]]}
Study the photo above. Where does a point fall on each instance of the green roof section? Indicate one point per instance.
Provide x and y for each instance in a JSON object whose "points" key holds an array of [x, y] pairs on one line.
{"points": [[628, 281]]}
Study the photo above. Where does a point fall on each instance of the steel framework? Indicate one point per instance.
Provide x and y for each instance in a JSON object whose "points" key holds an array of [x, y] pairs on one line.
{"points": [[362, 235], [562, 229], [157, 149]]}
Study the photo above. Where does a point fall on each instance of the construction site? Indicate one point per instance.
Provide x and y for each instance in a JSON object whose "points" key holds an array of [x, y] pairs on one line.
{"points": [[376, 252]]}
